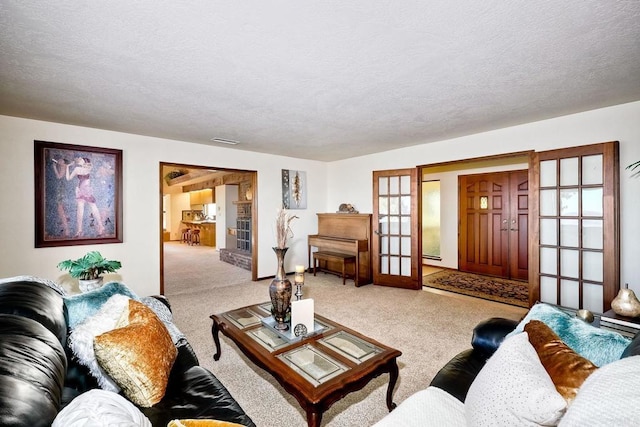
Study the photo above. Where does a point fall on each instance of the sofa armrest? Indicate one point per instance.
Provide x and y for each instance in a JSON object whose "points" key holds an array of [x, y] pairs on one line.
{"points": [[489, 334], [457, 375], [163, 300]]}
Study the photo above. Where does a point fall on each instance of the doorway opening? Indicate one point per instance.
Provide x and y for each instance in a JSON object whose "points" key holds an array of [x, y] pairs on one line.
{"points": [[212, 212]]}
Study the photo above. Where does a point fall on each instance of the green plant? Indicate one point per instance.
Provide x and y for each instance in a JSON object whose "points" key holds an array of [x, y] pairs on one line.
{"points": [[89, 267], [633, 166]]}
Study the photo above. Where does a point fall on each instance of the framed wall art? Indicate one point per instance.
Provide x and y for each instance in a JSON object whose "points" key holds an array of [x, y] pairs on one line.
{"points": [[294, 189], [78, 195]]}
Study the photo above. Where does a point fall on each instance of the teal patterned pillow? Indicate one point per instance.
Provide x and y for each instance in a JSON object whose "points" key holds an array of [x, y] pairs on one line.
{"points": [[598, 345], [83, 306]]}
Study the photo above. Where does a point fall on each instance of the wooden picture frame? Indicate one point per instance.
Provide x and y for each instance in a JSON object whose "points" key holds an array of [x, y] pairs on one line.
{"points": [[78, 195]]}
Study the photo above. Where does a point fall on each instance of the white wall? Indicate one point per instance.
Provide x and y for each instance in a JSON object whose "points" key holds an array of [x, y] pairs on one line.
{"points": [[617, 123], [140, 251]]}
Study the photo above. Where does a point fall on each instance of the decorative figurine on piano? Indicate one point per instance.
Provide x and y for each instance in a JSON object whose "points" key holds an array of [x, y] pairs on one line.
{"points": [[346, 208]]}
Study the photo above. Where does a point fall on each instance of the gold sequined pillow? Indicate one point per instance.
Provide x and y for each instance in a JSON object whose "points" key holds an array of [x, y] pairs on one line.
{"points": [[138, 354], [567, 369]]}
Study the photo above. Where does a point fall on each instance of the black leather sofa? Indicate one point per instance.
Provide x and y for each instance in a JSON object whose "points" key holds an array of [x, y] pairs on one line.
{"points": [[39, 377], [457, 375]]}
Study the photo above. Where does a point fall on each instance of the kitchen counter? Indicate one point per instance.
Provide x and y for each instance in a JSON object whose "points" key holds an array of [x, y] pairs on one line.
{"points": [[207, 230], [193, 222]]}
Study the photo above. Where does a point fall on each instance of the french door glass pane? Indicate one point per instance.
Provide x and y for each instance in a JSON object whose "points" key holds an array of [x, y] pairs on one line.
{"points": [[394, 265], [384, 264], [394, 246], [569, 171], [548, 232], [406, 246], [383, 206], [592, 266], [592, 201], [548, 290], [406, 266], [394, 187], [394, 226], [548, 261], [384, 245], [383, 227], [548, 173], [592, 297], [592, 234], [394, 205], [592, 170], [569, 293], [405, 226], [569, 232], [570, 263], [405, 184], [383, 185], [405, 205], [569, 202], [548, 203]]}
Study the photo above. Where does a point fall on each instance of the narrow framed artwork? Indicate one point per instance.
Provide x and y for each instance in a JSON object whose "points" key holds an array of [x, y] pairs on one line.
{"points": [[78, 195], [294, 189]]}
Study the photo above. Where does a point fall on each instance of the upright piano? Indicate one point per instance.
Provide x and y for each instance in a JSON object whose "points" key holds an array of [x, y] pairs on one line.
{"points": [[347, 233]]}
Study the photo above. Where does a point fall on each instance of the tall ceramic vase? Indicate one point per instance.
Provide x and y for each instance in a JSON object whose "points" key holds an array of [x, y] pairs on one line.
{"points": [[280, 292]]}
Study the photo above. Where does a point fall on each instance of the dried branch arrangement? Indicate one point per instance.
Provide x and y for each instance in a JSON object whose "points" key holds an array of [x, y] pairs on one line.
{"points": [[283, 227]]}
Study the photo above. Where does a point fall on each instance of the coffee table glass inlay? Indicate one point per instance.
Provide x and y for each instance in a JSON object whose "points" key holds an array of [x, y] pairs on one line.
{"points": [[318, 369]]}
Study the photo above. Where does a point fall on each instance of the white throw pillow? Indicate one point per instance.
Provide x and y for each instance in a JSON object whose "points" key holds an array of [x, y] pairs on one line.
{"points": [[609, 397], [513, 389], [100, 408], [81, 338], [431, 407]]}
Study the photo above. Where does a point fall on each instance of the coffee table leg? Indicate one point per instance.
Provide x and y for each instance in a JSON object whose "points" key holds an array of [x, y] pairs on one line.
{"points": [[313, 418], [216, 339], [393, 378]]}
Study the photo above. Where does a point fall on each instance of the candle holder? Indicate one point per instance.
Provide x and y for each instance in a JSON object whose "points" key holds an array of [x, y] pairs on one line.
{"points": [[299, 281]]}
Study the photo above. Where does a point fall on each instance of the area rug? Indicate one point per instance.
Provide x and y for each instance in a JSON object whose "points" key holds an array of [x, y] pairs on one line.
{"points": [[506, 291]]}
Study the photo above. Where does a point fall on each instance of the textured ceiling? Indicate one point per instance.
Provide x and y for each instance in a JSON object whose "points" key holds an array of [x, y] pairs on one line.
{"points": [[321, 80]]}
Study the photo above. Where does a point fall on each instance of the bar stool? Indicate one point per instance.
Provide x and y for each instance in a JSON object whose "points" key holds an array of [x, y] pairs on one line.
{"points": [[186, 235], [195, 237]]}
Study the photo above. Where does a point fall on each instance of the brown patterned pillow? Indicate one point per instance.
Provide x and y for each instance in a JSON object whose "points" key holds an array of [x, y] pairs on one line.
{"points": [[138, 354], [567, 369]]}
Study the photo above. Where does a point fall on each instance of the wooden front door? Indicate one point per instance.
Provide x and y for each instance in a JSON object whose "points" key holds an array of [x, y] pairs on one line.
{"points": [[493, 215], [396, 241]]}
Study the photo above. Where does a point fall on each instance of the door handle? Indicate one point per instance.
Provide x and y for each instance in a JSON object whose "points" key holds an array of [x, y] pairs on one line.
{"points": [[513, 223], [504, 225]]}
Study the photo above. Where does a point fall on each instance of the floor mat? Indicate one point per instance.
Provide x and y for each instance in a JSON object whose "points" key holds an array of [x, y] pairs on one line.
{"points": [[507, 291]]}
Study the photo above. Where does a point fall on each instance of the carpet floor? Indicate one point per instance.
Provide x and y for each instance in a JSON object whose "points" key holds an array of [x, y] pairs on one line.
{"points": [[429, 327], [506, 291]]}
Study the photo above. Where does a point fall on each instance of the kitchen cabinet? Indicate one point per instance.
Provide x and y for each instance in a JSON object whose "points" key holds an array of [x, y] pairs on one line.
{"points": [[201, 197]]}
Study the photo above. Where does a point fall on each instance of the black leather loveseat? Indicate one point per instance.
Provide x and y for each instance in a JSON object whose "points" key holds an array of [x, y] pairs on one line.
{"points": [[38, 376], [457, 375]]}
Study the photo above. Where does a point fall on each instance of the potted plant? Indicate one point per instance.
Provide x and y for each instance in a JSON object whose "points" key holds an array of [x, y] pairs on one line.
{"points": [[89, 269]]}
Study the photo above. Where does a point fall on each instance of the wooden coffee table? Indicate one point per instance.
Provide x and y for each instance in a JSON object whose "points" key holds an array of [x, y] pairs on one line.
{"points": [[318, 369]]}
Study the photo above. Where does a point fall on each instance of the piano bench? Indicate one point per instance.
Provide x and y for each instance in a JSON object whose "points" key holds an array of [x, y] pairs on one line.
{"points": [[342, 259]]}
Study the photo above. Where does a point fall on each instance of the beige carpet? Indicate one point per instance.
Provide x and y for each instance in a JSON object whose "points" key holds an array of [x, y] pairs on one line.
{"points": [[429, 327]]}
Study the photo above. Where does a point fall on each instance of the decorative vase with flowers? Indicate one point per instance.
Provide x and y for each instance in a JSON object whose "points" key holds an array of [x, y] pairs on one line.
{"points": [[280, 287]]}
